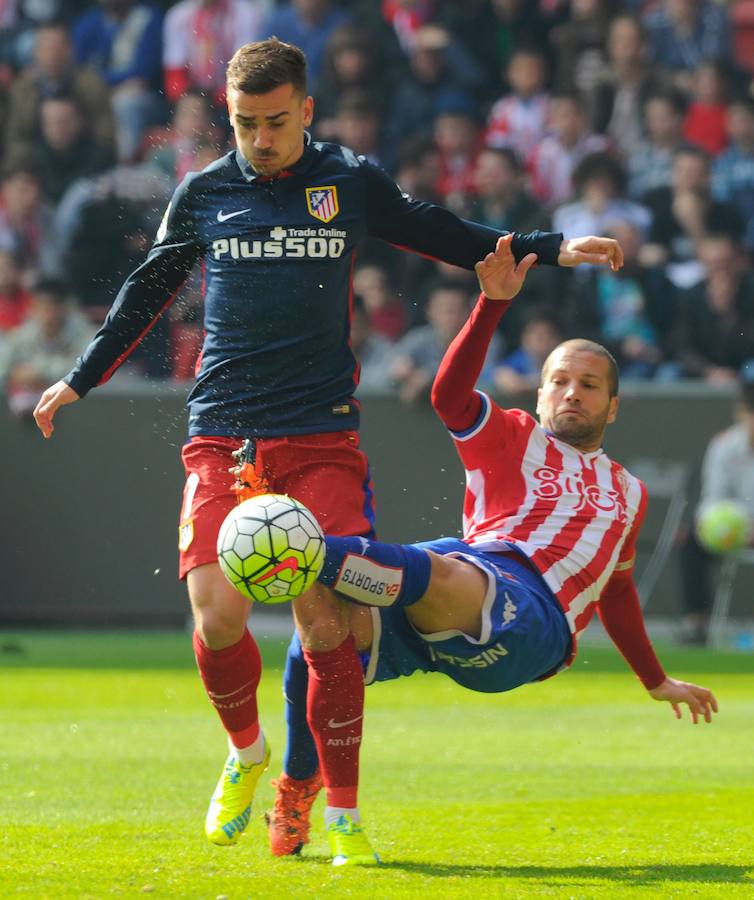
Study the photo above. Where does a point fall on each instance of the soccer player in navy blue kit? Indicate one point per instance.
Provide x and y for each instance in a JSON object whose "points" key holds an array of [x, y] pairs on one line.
{"points": [[276, 224]]}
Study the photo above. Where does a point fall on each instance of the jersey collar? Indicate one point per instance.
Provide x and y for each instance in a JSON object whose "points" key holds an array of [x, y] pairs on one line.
{"points": [[591, 454], [301, 165]]}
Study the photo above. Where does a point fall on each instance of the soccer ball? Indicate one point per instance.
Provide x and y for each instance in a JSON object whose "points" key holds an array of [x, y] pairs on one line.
{"points": [[723, 527], [271, 548]]}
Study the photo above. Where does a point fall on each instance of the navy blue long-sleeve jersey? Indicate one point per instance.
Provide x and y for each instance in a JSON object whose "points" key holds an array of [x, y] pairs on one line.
{"points": [[278, 256]]}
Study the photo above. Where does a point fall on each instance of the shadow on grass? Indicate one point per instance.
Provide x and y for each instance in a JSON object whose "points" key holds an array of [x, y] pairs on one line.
{"points": [[564, 875]]}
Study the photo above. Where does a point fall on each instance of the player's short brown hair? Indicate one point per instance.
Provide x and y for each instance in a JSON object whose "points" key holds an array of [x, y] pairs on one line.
{"points": [[582, 345], [262, 66]]}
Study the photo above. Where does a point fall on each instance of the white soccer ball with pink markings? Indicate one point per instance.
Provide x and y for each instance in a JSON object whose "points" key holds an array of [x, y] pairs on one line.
{"points": [[271, 548]]}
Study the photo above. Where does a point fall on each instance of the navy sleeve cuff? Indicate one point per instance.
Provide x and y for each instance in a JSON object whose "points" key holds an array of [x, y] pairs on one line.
{"points": [[79, 384], [546, 244]]}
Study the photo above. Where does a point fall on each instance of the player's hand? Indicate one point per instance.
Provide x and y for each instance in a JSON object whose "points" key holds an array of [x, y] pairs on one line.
{"points": [[699, 700], [595, 251], [499, 276], [53, 398]]}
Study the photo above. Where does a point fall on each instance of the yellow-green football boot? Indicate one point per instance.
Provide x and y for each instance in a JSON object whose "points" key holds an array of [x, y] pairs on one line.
{"points": [[349, 845], [230, 806]]}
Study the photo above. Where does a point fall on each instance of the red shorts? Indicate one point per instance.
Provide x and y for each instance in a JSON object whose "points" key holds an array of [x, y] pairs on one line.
{"points": [[326, 472]]}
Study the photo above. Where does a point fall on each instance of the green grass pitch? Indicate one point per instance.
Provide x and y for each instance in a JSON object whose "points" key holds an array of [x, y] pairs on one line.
{"points": [[579, 787]]}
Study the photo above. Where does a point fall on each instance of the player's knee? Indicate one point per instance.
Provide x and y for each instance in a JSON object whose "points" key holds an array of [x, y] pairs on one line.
{"points": [[218, 630], [322, 619], [220, 614]]}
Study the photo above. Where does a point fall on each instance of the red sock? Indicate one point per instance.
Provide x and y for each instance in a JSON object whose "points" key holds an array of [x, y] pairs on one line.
{"points": [[230, 677], [335, 710]]}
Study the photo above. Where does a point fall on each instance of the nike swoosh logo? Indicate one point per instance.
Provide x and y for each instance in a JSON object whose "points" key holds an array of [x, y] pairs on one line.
{"points": [[333, 724], [215, 696], [223, 217], [290, 563]]}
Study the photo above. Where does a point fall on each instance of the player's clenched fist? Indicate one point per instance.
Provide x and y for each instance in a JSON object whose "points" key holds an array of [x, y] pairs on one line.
{"points": [[54, 397]]}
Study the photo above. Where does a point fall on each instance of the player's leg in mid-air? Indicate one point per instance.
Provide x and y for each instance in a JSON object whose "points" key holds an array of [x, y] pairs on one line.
{"points": [[485, 620], [226, 653], [307, 467], [289, 820]]}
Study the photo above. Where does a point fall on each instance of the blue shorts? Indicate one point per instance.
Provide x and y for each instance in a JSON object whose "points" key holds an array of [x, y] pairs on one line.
{"points": [[524, 636]]}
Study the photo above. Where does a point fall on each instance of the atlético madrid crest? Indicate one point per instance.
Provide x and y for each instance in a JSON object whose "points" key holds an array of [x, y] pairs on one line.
{"points": [[322, 202]]}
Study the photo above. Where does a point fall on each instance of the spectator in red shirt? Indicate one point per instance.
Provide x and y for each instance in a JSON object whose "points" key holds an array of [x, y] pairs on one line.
{"points": [[200, 36], [705, 123], [384, 308], [14, 298], [519, 118], [556, 156], [406, 18], [459, 140]]}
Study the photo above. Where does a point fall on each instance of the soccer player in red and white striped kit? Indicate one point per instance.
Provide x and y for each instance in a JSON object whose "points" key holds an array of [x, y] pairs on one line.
{"points": [[550, 525]]}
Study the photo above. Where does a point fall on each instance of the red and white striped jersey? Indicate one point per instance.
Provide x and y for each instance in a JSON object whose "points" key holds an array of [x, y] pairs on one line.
{"points": [[518, 123], [575, 515]]}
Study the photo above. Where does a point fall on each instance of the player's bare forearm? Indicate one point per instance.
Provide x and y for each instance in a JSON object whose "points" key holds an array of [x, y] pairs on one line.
{"points": [[700, 700]]}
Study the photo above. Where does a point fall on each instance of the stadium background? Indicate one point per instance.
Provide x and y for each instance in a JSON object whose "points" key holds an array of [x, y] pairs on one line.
{"points": [[85, 552], [654, 144], [576, 787]]}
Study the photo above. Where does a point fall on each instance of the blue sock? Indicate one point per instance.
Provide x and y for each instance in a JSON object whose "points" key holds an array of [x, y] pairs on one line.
{"points": [[300, 760], [374, 573]]}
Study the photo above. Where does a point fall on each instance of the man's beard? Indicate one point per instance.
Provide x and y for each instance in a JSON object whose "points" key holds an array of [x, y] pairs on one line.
{"points": [[578, 430]]}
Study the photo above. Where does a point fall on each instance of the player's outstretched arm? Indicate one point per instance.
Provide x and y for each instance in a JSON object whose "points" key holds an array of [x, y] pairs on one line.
{"points": [[500, 277], [59, 394], [591, 250], [700, 701]]}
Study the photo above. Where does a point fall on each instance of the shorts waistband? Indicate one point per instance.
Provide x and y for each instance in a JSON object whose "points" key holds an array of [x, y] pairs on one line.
{"points": [[519, 558]]}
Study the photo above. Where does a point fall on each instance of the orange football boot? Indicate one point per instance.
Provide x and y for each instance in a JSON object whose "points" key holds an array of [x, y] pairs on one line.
{"points": [[288, 821]]}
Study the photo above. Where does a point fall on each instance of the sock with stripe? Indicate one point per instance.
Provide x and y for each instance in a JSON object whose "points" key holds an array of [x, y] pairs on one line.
{"points": [[335, 711], [231, 677]]}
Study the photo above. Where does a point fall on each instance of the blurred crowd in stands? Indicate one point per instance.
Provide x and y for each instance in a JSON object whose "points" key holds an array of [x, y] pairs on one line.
{"points": [[631, 119]]}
